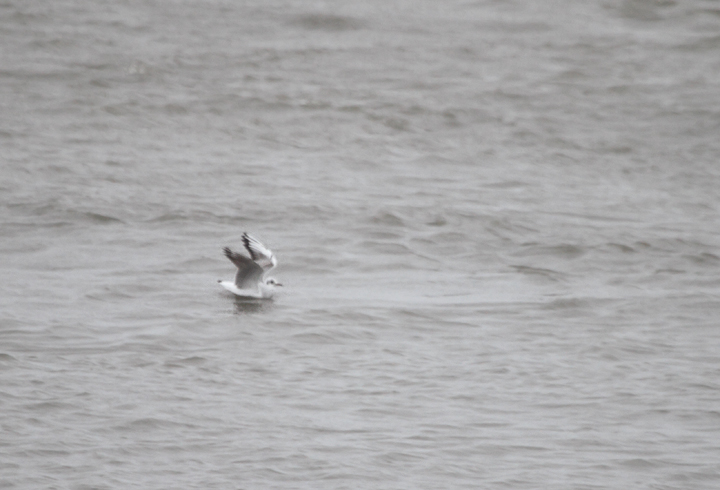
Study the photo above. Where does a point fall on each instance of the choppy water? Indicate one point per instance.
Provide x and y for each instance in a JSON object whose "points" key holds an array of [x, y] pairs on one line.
{"points": [[497, 226]]}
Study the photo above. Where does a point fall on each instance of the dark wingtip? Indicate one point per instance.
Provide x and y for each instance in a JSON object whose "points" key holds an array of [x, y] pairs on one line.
{"points": [[246, 243]]}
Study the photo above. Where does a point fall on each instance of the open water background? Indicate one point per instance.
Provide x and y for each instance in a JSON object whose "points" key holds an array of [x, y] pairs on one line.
{"points": [[497, 225]]}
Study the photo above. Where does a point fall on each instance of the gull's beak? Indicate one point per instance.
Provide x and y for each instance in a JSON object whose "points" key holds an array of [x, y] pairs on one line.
{"points": [[278, 284]]}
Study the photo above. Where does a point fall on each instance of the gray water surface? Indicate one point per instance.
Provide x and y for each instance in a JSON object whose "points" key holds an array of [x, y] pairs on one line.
{"points": [[497, 226]]}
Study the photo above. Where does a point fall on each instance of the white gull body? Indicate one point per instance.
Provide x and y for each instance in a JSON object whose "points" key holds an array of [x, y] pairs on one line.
{"points": [[250, 279]]}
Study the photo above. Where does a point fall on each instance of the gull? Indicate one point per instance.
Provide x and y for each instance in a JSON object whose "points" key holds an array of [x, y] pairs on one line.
{"points": [[249, 280]]}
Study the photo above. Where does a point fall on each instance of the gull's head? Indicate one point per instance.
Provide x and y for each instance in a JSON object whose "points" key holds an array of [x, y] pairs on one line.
{"points": [[272, 282]]}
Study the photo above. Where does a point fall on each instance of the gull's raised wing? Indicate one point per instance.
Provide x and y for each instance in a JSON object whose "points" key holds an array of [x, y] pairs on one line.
{"points": [[249, 272], [259, 252]]}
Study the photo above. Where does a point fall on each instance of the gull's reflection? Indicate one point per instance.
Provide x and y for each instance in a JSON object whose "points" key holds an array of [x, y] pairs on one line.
{"points": [[245, 306]]}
